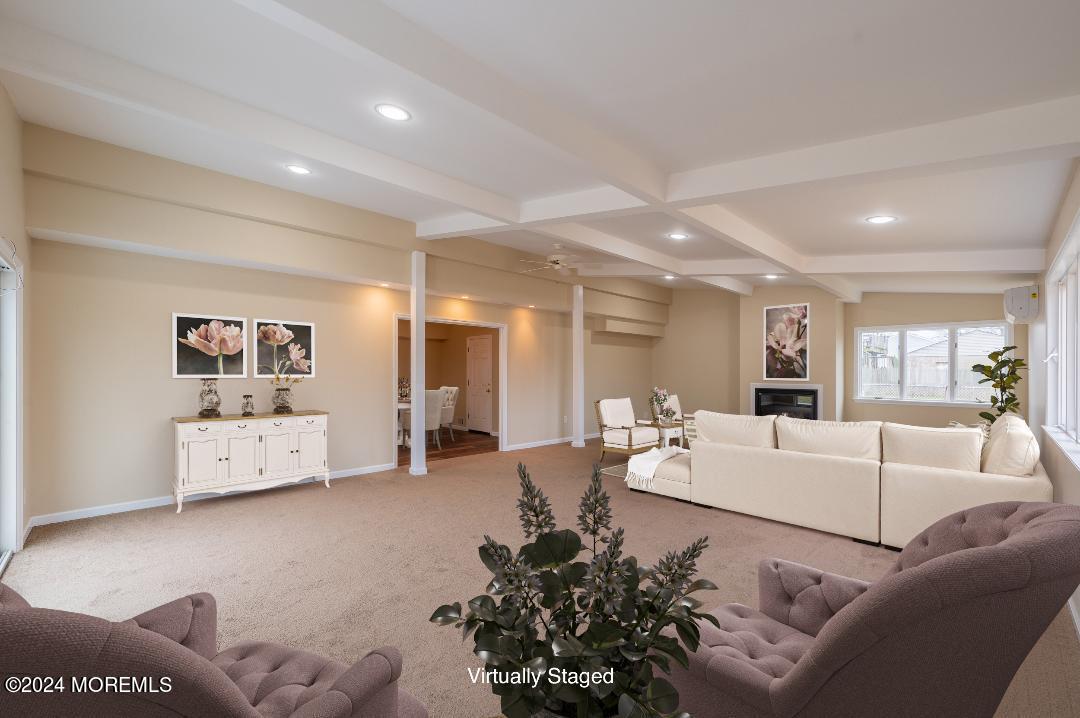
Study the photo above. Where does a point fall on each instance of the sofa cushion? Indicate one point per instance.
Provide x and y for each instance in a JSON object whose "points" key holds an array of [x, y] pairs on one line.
{"points": [[1012, 449], [677, 468], [850, 439], [277, 679], [642, 436], [617, 412], [938, 448], [736, 429]]}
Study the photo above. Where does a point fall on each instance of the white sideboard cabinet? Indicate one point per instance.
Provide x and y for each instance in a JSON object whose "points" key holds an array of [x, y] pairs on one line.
{"points": [[248, 453]]}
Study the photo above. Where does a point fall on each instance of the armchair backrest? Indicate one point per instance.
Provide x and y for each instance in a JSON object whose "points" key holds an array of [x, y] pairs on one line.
{"points": [[451, 395], [945, 630], [617, 413], [44, 642]]}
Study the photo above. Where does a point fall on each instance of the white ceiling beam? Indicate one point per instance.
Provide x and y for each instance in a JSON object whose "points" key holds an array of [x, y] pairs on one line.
{"points": [[725, 225], [704, 267], [355, 29], [606, 201], [456, 225], [729, 283], [618, 269], [609, 244], [1004, 260], [1041, 130], [56, 62]]}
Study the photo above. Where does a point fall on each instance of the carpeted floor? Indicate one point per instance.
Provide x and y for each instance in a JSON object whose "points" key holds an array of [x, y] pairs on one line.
{"points": [[364, 563]]}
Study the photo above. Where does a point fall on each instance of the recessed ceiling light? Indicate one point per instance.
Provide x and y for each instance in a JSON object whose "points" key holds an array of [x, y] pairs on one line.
{"points": [[669, 276], [532, 306], [464, 296], [298, 170], [678, 235], [393, 112], [384, 284], [880, 219], [772, 276]]}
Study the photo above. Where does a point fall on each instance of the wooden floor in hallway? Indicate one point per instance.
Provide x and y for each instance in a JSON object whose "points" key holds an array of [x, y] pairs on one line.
{"points": [[465, 443]]}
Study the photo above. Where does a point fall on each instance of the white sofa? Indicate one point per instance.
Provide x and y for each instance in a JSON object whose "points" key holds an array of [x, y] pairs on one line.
{"points": [[871, 481]]}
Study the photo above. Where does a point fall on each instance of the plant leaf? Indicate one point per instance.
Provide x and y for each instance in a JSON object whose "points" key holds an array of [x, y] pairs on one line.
{"points": [[446, 614], [630, 708], [553, 549], [483, 607], [662, 696]]}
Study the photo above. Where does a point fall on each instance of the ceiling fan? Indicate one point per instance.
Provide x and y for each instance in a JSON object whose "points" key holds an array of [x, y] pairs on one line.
{"points": [[559, 262]]}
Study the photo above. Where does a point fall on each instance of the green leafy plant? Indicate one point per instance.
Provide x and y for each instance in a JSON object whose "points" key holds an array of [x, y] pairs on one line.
{"points": [[1003, 374], [547, 617]]}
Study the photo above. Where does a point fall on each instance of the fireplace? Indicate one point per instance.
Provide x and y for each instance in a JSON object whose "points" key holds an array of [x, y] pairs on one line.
{"points": [[798, 402]]}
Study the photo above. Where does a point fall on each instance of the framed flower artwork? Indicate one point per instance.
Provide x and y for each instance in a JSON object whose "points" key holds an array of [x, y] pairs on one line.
{"points": [[209, 347], [787, 342], [283, 347]]}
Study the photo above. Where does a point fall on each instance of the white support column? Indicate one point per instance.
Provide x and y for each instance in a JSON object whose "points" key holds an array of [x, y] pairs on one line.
{"points": [[417, 359], [578, 392]]}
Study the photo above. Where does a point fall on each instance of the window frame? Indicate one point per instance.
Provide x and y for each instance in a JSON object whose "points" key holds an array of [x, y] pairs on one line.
{"points": [[902, 329]]}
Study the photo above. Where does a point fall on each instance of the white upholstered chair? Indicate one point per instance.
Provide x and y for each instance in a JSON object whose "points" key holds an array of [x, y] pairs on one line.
{"points": [[620, 430], [671, 432], [433, 406], [449, 406]]}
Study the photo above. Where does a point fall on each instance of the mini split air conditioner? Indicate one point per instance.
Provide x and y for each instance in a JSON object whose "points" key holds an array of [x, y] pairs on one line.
{"points": [[1022, 304]]}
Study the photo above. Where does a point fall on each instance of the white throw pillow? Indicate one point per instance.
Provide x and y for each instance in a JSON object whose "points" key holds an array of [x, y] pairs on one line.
{"points": [[1012, 449], [850, 439], [930, 446], [736, 429]]}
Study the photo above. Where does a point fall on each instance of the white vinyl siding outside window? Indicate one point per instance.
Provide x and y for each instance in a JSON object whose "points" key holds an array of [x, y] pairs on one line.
{"points": [[926, 364]]}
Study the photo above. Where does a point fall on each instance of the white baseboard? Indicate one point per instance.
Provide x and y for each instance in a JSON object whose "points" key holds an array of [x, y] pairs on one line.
{"points": [[545, 442], [105, 509]]}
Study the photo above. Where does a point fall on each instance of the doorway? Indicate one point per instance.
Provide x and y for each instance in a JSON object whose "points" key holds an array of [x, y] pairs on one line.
{"points": [[459, 356]]}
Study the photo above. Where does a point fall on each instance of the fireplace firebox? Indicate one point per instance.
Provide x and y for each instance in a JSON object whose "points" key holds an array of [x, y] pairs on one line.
{"points": [[797, 403]]}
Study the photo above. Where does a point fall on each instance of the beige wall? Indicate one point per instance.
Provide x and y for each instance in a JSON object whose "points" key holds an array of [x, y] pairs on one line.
{"points": [[104, 390], [824, 355], [616, 365], [887, 309], [698, 357]]}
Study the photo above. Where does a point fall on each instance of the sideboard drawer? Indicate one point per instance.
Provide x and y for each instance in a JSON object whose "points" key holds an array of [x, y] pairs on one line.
{"points": [[202, 429], [240, 425], [319, 420], [276, 423]]}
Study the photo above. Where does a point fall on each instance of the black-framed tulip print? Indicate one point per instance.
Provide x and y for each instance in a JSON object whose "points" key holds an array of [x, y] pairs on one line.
{"points": [[787, 342], [209, 346], [283, 348]]}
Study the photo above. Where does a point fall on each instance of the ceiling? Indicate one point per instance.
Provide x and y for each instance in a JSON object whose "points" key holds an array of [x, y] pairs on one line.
{"points": [[766, 132]]}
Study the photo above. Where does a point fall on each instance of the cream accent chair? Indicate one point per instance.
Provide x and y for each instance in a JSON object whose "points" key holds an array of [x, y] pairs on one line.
{"points": [[449, 406], [675, 432], [433, 406], [621, 432]]}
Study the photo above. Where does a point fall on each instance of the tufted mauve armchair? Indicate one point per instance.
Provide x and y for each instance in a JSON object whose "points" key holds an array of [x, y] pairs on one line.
{"points": [[941, 634], [179, 640]]}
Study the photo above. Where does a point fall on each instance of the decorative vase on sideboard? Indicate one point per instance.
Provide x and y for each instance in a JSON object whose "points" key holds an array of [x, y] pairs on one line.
{"points": [[209, 399], [282, 400]]}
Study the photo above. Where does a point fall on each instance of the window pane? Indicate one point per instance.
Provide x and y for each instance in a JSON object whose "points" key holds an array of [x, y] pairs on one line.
{"points": [[879, 365], [926, 364], [973, 344]]}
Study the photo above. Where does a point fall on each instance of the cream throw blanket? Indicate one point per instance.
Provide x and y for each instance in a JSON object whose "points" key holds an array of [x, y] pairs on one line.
{"points": [[642, 467]]}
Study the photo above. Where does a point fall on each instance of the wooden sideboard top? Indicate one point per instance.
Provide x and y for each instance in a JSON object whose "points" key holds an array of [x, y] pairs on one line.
{"points": [[259, 415]]}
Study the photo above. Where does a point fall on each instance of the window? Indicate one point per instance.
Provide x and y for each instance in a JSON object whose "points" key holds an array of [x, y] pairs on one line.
{"points": [[1063, 389], [926, 364]]}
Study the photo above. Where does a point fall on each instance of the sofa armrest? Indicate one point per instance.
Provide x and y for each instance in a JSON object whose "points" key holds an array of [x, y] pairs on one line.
{"points": [[371, 684], [190, 621], [803, 597]]}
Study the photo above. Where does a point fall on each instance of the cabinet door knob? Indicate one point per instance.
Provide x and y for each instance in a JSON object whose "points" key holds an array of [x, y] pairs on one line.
{"points": [[241, 426], [202, 428]]}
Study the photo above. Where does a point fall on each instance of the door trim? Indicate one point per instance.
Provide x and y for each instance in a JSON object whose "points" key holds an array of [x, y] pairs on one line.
{"points": [[504, 383]]}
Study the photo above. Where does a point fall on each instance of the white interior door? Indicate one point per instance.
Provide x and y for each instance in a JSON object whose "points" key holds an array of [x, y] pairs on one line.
{"points": [[478, 374]]}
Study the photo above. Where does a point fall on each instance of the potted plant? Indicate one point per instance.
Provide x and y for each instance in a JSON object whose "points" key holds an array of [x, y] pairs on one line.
{"points": [[659, 399], [1003, 375], [561, 636]]}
